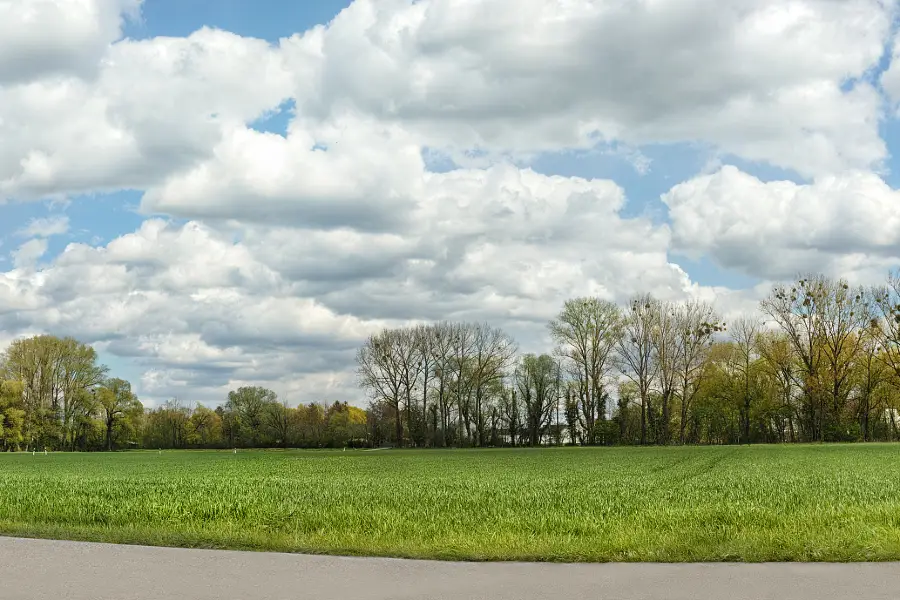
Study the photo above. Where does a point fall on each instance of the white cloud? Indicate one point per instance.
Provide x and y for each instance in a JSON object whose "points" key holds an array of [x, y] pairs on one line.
{"points": [[184, 300], [840, 224], [759, 78], [27, 255], [890, 79], [46, 227], [155, 107], [365, 179], [41, 38], [286, 306]]}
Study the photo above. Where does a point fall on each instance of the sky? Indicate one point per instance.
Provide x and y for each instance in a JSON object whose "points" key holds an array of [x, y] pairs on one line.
{"points": [[216, 193]]}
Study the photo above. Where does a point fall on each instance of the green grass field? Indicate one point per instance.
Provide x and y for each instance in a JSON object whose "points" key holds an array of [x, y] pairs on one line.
{"points": [[577, 504]]}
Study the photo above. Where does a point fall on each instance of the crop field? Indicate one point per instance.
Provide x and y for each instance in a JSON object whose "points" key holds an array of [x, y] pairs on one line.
{"points": [[564, 504]]}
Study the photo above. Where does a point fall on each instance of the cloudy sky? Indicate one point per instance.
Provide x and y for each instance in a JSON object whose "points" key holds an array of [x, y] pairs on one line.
{"points": [[222, 192]]}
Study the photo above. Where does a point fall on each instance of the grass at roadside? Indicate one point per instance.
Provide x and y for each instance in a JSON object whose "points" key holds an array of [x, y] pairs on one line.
{"points": [[762, 503]]}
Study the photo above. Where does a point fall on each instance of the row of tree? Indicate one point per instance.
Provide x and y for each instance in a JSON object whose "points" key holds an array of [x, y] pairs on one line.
{"points": [[54, 394], [254, 417], [820, 363]]}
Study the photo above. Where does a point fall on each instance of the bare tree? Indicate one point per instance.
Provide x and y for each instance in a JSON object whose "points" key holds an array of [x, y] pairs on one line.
{"points": [[664, 340], [463, 339], [586, 332], [425, 344], [408, 359], [536, 381], [635, 351], [871, 373], [797, 310], [696, 325], [512, 413], [824, 320], [379, 370], [744, 332], [846, 314], [492, 352], [442, 353]]}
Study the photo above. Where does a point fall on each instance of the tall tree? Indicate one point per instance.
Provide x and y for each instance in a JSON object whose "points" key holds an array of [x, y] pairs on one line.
{"points": [[427, 356], [667, 354], [744, 332], [636, 351], [409, 362], [779, 360], [12, 414], [536, 383], [115, 400], [380, 371], [846, 314], [512, 413], [249, 404], [797, 309], [442, 346], [55, 374], [696, 325], [492, 352], [463, 343], [586, 332], [281, 418], [871, 373]]}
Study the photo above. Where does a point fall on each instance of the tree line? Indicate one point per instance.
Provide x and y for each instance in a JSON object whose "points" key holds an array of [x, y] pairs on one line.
{"points": [[55, 395], [820, 362]]}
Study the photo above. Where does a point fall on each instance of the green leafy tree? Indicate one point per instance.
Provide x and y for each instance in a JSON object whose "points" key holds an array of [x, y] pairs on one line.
{"points": [[117, 403]]}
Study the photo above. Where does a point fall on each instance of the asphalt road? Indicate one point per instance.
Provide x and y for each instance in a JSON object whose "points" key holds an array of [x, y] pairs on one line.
{"points": [[51, 570]]}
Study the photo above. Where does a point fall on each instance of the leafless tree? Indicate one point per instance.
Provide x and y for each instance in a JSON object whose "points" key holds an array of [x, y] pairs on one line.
{"points": [[536, 382], [635, 351], [586, 332], [797, 309], [664, 340], [697, 323], [744, 332], [380, 371], [492, 353]]}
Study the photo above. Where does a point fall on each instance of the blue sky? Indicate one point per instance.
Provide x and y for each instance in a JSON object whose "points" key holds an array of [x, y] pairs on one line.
{"points": [[395, 74]]}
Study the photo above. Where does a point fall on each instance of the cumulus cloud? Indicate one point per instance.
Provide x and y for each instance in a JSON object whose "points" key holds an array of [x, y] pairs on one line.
{"points": [[285, 306], [181, 299], [365, 177], [41, 38], [762, 79], [156, 107], [845, 224]]}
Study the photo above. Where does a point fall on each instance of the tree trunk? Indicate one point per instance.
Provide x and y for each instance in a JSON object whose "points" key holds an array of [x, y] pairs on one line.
{"points": [[666, 418], [398, 424], [643, 420]]}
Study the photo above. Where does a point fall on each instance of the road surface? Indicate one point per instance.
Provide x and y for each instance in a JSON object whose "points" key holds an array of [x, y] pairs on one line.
{"points": [[51, 570]]}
